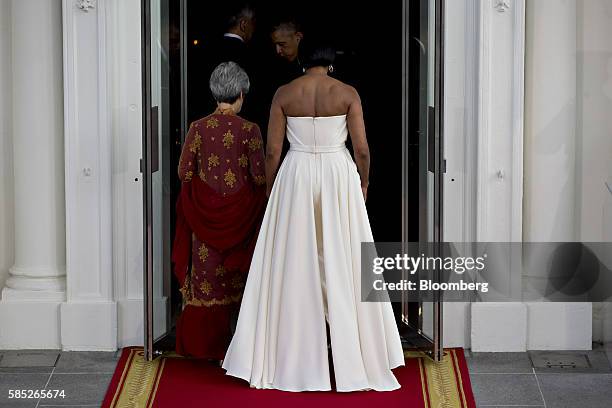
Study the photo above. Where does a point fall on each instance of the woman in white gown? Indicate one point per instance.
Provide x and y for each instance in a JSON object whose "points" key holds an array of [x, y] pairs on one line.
{"points": [[306, 265]]}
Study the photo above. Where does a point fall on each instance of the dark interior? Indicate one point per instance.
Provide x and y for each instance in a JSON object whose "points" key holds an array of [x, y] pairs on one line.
{"points": [[368, 41]]}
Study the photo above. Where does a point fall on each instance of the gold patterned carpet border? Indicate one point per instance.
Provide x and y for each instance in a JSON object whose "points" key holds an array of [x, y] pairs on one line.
{"points": [[443, 384]]}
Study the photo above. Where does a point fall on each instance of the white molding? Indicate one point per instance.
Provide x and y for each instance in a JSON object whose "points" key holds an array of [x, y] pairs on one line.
{"points": [[499, 157], [499, 327], [89, 317], [70, 131], [518, 120], [25, 282], [87, 150], [489, 75], [70, 121], [501, 121], [559, 326], [86, 5], [470, 153], [29, 323], [32, 295], [7, 190], [483, 131], [89, 326], [502, 6], [106, 156]]}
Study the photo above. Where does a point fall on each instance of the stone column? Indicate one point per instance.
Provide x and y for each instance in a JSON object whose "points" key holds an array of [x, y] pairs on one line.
{"points": [[550, 121], [29, 310], [550, 190]]}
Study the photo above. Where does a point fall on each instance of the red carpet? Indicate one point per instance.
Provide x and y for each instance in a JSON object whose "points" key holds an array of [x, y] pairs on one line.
{"points": [[173, 381]]}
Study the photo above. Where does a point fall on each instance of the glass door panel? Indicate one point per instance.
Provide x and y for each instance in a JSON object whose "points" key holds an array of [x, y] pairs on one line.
{"points": [[424, 164], [155, 166]]}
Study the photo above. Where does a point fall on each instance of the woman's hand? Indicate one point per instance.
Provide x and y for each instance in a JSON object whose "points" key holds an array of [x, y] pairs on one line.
{"points": [[364, 190]]}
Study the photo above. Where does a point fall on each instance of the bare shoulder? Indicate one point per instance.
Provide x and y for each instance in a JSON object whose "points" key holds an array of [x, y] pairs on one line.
{"points": [[342, 88], [348, 94], [282, 92]]}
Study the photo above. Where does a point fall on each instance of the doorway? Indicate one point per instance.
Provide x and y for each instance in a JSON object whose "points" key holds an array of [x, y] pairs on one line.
{"points": [[368, 43], [386, 53]]}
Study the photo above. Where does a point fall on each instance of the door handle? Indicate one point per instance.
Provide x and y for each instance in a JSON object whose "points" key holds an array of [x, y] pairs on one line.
{"points": [[431, 139], [154, 139], [431, 142]]}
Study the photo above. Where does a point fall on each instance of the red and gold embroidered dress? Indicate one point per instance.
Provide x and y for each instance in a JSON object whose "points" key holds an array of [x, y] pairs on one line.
{"points": [[219, 211]]}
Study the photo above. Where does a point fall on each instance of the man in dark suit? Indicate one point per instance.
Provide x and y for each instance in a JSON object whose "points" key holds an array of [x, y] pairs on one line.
{"points": [[232, 46], [240, 28]]}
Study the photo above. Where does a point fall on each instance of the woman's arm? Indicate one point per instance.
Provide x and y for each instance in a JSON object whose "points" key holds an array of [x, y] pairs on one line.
{"points": [[187, 163], [276, 135], [356, 128]]}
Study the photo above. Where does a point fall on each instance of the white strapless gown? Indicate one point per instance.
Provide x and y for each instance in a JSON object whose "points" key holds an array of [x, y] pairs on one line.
{"points": [[306, 270]]}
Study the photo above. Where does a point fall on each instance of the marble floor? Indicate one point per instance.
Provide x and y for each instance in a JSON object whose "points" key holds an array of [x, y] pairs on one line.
{"points": [[510, 380], [498, 379]]}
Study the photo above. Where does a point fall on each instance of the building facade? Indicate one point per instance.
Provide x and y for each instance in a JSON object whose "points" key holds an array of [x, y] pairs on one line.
{"points": [[528, 130]]}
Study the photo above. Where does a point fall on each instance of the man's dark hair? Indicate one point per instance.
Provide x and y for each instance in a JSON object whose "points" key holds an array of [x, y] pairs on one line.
{"points": [[286, 22], [236, 12], [316, 53]]}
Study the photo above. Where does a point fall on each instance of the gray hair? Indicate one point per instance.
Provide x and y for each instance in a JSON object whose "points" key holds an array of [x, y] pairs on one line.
{"points": [[227, 81]]}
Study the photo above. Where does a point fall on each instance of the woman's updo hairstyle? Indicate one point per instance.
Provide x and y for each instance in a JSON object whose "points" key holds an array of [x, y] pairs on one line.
{"points": [[316, 53]]}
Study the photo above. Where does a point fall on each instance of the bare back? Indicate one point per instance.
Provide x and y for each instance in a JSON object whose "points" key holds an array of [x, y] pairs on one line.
{"points": [[315, 95]]}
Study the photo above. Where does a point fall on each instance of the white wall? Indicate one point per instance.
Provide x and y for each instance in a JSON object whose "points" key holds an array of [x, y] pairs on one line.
{"points": [[550, 121], [6, 146], [568, 146], [594, 122], [594, 136], [499, 158], [103, 194], [124, 102], [89, 316], [567, 149]]}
